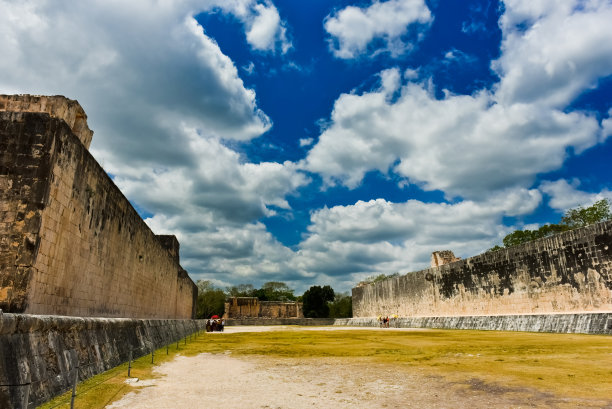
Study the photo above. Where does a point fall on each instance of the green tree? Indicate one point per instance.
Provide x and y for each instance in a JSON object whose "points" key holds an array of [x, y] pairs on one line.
{"points": [[241, 290], [315, 301], [379, 277], [572, 219], [278, 291], [342, 306], [583, 216], [211, 300]]}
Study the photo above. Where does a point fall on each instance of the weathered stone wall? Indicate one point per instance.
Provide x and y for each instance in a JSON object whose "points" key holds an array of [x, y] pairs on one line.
{"points": [[56, 106], [45, 350], [584, 323], [251, 307], [281, 321], [71, 243], [567, 273]]}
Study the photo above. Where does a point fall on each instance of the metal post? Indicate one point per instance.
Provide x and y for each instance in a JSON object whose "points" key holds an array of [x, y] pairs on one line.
{"points": [[26, 395], [130, 362], [177, 341], [167, 349], [76, 379], [152, 355], [185, 340]]}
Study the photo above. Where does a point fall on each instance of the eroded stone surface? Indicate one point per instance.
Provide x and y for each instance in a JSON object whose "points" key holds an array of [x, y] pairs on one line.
{"points": [[56, 106], [71, 243], [567, 273]]}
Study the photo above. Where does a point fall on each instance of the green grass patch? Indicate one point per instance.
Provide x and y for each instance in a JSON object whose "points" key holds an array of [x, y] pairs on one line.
{"points": [[565, 364]]}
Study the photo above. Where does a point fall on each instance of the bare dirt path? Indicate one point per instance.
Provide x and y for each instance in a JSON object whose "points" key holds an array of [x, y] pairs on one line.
{"points": [[223, 381]]}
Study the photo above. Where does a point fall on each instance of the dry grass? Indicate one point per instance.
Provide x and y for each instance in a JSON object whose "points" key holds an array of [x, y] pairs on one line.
{"points": [[563, 364]]}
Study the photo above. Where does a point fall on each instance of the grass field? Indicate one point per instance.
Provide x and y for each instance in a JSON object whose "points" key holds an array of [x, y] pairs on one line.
{"points": [[564, 364]]}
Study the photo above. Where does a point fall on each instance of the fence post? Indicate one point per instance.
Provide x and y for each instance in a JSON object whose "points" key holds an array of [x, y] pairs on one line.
{"points": [[76, 379], [167, 348], [130, 362], [152, 354], [26, 395]]}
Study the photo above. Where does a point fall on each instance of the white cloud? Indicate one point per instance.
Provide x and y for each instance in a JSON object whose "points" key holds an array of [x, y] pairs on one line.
{"points": [[163, 99], [381, 27], [565, 195], [265, 31], [471, 145], [306, 141], [552, 51], [384, 237]]}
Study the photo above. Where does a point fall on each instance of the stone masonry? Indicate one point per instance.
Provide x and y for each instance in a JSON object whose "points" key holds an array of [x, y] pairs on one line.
{"points": [[567, 273], [71, 243], [251, 307]]}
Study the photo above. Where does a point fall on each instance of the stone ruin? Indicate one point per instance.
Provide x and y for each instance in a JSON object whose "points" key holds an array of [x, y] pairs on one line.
{"points": [[251, 307], [71, 243]]}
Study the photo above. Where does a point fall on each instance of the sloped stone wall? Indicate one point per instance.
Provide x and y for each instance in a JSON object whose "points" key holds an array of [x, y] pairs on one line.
{"points": [[566, 273], [71, 243], [45, 349], [584, 323]]}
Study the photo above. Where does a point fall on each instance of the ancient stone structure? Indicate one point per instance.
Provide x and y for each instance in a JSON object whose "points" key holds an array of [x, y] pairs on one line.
{"points": [[70, 242], [251, 307], [41, 352], [583, 323], [56, 106], [567, 273], [439, 258]]}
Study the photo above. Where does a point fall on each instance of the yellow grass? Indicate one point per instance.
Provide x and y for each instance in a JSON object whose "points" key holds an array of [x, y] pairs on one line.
{"points": [[563, 364]]}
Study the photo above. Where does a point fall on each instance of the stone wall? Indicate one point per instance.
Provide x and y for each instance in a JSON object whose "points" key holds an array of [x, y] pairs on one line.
{"points": [[56, 106], [45, 349], [251, 307], [584, 323], [567, 273], [280, 321], [71, 243]]}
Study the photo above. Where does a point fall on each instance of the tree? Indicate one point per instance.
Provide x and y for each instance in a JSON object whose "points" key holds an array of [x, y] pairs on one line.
{"points": [[379, 277], [315, 301], [341, 307], [211, 300], [277, 291], [241, 290], [572, 219], [581, 216]]}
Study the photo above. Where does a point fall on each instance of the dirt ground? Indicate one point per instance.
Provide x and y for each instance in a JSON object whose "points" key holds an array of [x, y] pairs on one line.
{"points": [[223, 381]]}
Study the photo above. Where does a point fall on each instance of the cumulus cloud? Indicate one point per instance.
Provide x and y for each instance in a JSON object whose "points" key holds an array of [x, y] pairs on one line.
{"points": [[265, 31], [565, 194], [552, 51], [391, 26], [379, 236], [470, 145], [163, 100]]}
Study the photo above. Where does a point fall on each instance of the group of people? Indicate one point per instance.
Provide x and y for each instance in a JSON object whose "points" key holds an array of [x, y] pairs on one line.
{"points": [[216, 324], [384, 321]]}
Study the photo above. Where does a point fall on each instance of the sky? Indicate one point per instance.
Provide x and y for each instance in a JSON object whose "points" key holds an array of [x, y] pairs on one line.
{"points": [[321, 142]]}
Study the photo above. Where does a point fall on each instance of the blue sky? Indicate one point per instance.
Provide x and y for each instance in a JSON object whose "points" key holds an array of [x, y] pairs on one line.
{"points": [[322, 142]]}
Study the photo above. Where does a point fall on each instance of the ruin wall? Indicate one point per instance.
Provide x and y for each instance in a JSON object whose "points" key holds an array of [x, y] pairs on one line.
{"points": [[57, 106], [251, 307], [567, 273], [71, 243], [38, 354]]}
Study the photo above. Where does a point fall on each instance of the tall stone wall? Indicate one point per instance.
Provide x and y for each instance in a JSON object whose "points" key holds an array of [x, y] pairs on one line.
{"points": [[56, 106], [566, 273], [71, 243], [251, 307], [44, 350]]}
